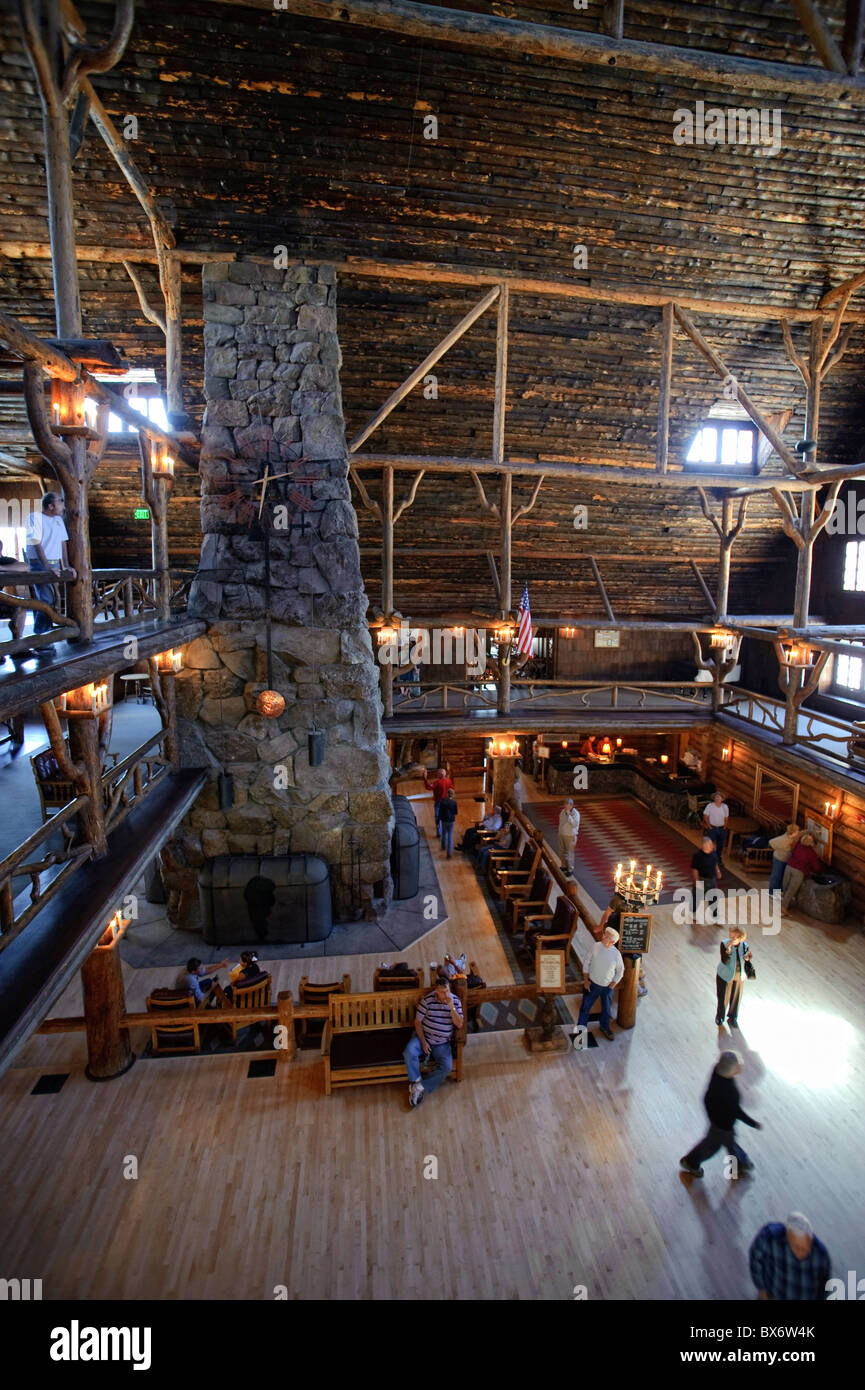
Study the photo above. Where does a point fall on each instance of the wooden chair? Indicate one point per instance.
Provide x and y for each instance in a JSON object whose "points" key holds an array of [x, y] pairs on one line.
{"points": [[519, 862], [252, 995], [173, 1037], [537, 901], [55, 790], [517, 882], [758, 857], [384, 980], [311, 1029], [552, 931]]}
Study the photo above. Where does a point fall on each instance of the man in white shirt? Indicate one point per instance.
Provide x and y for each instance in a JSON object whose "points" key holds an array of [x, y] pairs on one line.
{"points": [[46, 550], [602, 971], [569, 829], [715, 817]]}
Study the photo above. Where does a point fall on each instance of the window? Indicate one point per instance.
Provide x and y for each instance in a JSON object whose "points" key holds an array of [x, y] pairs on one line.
{"points": [[728, 443], [140, 387], [848, 673], [854, 567]]}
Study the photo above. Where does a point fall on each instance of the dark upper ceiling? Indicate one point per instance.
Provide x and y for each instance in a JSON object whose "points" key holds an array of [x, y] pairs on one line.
{"points": [[259, 128]]}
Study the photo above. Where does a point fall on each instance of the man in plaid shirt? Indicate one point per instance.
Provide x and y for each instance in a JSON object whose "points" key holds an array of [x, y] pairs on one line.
{"points": [[788, 1263], [438, 1014]]}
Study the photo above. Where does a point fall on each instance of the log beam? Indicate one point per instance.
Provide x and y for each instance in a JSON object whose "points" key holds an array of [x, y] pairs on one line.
{"points": [[820, 35], [495, 34], [663, 445]]}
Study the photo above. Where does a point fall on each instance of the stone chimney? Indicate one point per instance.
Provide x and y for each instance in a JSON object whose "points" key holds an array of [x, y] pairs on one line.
{"points": [[273, 397]]}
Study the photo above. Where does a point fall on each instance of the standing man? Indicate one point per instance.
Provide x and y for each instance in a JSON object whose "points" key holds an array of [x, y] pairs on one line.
{"points": [[439, 1013], [439, 788], [715, 817], [569, 829], [723, 1108], [706, 873], [601, 973], [46, 550], [788, 1263]]}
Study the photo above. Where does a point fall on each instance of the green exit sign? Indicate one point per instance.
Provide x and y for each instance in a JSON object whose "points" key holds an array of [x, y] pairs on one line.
{"points": [[141, 514]]}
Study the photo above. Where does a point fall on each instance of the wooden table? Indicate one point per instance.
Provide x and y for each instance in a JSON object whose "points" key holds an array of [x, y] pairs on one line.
{"points": [[739, 825], [140, 679]]}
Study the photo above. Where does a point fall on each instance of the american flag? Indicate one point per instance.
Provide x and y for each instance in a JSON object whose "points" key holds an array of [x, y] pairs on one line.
{"points": [[524, 632]]}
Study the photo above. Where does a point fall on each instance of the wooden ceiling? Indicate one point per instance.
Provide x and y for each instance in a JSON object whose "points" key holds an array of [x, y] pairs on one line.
{"points": [[259, 128]]}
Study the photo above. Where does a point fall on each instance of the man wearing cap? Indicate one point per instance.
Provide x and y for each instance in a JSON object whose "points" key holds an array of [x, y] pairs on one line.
{"points": [[723, 1108], [788, 1263], [602, 971], [569, 829]]}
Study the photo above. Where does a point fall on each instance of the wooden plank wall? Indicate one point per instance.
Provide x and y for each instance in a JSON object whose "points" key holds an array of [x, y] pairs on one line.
{"points": [[646, 655], [816, 787]]}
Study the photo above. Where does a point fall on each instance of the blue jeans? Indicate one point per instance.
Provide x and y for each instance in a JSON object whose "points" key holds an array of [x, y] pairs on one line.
{"points": [[41, 621], [482, 860], [448, 836], [436, 806], [776, 877], [718, 834], [441, 1055], [602, 992]]}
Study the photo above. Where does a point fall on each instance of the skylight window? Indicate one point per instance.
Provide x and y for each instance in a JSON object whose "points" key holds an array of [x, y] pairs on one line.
{"points": [[141, 389], [726, 444]]}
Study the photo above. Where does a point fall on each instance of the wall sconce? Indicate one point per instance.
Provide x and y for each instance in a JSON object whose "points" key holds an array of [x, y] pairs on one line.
{"points": [[163, 464], [384, 634], [505, 633], [458, 631], [727, 752], [503, 747], [86, 702], [564, 743], [797, 656], [618, 743], [833, 808], [568, 632], [170, 661], [665, 758], [720, 637]]}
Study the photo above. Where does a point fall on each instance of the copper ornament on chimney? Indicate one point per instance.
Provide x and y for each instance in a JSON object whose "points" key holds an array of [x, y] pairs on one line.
{"points": [[270, 703]]}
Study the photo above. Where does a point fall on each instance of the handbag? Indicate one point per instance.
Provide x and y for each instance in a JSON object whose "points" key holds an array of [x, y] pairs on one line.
{"points": [[749, 970]]}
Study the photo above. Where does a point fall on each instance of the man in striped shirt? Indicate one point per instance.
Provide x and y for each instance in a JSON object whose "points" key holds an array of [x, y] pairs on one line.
{"points": [[438, 1014]]}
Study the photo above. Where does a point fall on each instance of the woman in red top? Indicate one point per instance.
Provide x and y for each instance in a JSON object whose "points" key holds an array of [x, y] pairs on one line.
{"points": [[439, 788], [802, 863]]}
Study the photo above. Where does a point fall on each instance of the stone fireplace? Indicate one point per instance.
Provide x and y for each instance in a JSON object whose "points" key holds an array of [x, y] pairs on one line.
{"points": [[273, 397]]}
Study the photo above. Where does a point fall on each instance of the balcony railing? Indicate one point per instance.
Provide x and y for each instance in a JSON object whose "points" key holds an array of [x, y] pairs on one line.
{"points": [[123, 788], [121, 597], [821, 732]]}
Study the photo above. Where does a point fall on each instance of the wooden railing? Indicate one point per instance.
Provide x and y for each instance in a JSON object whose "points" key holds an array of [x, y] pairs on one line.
{"points": [[695, 693], [120, 597], [20, 864], [123, 788], [765, 713], [464, 691], [126, 785]]}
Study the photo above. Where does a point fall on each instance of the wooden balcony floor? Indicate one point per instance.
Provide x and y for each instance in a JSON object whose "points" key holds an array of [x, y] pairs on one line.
{"points": [[67, 665]]}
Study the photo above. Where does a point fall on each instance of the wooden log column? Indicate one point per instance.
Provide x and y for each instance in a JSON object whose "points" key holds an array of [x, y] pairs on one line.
{"points": [[626, 1007], [82, 763], [109, 1051]]}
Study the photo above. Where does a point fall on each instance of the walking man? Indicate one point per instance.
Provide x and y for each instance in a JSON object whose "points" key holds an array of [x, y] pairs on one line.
{"points": [[715, 817], [706, 873], [440, 788], [569, 829], [723, 1108], [788, 1263], [439, 1013], [602, 971]]}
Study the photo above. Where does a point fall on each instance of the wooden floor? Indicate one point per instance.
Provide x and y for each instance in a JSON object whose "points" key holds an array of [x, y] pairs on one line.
{"points": [[552, 1171]]}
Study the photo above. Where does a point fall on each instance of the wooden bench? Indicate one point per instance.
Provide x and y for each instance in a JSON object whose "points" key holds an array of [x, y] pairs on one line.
{"points": [[366, 1034]]}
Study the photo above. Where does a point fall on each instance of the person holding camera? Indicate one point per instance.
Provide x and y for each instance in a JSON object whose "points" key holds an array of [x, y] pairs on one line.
{"points": [[438, 1016], [735, 964]]}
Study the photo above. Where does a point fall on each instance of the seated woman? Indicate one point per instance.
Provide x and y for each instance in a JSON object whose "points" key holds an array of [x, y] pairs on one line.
{"points": [[246, 972], [504, 839]]}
